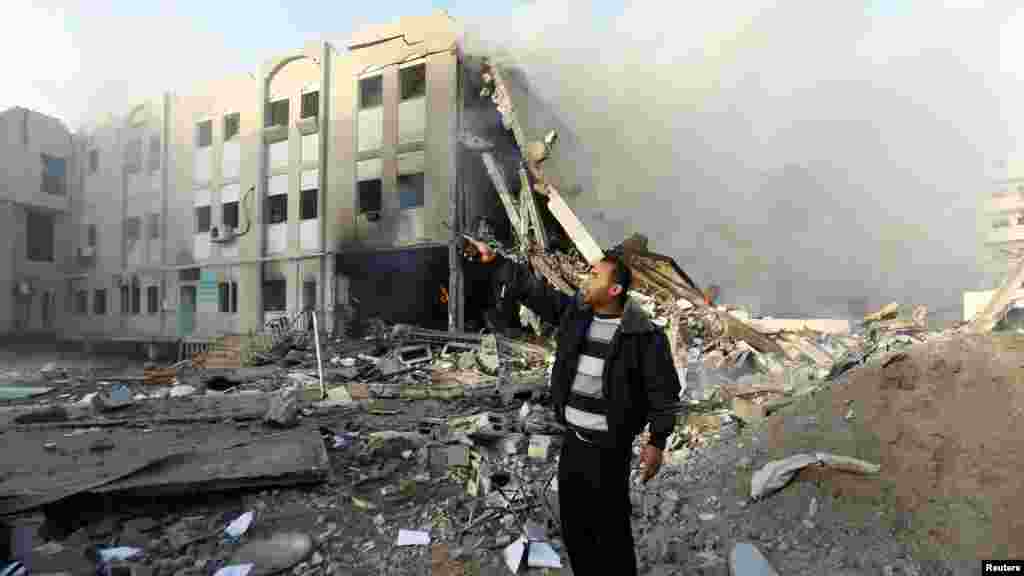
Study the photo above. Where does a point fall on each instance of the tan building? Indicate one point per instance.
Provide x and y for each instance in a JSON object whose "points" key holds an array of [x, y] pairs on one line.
{"points": [[37, 188], [327, 177]]}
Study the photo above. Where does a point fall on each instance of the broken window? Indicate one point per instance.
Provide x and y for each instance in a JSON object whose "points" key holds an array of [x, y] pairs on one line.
{"points": [[126, 303], [154, 153], [277, 208], [410, 190], [94, 160], [274, 296], [153, 223], [153, 299], [371, 92], [413, 81], [39, 232], [369, 196], [204, 134], [227, 297], [229, 214], [99, 302], [310, 104], [232, 125], [307, 204], [54, 175], [277, 113], [81, 302], [202, 219], [90, 235]]}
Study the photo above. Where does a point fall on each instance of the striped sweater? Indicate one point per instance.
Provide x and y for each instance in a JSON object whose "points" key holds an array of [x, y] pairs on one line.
{"points": [[587, 382]]}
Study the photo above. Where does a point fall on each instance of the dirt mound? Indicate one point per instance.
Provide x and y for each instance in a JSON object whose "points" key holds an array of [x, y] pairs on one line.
{"points": [[946, 419]]}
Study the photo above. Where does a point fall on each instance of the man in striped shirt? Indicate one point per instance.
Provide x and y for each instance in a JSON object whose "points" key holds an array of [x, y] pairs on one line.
{"points": [[613, 375]]}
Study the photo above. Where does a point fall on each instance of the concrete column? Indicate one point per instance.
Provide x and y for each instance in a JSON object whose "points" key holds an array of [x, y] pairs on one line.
{"points": [[250, 275], [389, 157]]}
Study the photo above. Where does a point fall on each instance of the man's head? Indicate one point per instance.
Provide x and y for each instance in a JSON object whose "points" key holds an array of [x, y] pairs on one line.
{"points": [[608, 283]]}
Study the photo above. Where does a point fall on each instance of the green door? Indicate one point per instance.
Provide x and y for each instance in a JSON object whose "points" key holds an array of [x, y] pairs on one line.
{"points": [[187, 311]]}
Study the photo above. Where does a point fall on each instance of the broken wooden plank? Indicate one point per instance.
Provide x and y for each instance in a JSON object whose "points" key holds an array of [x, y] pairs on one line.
{"points": [[823, 325], [888, 311], [577, 232], [288, 459], [990, 315], [498, 179]]}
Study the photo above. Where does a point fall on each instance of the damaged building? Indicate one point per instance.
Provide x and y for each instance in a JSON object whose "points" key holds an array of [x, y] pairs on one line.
{"points": [[329, 179]]}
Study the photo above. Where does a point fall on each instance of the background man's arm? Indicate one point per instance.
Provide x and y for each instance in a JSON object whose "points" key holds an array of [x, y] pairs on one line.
{"points": [[544, 300]]}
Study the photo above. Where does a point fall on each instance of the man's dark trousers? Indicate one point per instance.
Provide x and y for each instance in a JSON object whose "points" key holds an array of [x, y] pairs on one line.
{"points": [[593, 497]]}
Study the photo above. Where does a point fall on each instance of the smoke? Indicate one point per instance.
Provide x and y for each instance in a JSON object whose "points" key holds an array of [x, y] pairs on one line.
{"points": [[805, 157]]}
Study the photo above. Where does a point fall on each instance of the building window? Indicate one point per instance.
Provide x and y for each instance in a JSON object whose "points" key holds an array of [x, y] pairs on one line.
{"points": [[229, 214], [232, 125], [202, 219], [1001, 222], [136, 297], [277, 209], [369, 196], [413, 81], [94, 160], [227, 297], [274, 296], [154, 153], [410, 190], [99, 302], [307, 204], [40, 236], [133, 156], [126, 303], [310, 104], [371, 92], [277, 113], [81, 302], [153, 223], [204, 134], [54, 175], [188, 275], [153, 299], [90, 235], [132, 232], [309, 295]]}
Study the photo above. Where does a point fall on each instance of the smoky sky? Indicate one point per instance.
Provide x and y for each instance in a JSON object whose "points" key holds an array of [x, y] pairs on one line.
{"points": [[801, 155]]}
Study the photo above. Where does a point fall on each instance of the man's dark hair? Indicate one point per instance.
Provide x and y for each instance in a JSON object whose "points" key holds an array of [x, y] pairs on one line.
{"points": [[621, 275]]}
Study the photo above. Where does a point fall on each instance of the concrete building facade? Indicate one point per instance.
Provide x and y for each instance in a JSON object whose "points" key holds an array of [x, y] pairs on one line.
{"points": [[37, 191], [328, 177]]}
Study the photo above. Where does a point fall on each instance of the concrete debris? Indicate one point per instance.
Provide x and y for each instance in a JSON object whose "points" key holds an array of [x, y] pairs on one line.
{"points": [[284, 409], [275, 554], [774, 475]]}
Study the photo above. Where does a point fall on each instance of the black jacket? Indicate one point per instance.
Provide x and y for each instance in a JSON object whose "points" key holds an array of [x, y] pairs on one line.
{"points": [[640, 382]]}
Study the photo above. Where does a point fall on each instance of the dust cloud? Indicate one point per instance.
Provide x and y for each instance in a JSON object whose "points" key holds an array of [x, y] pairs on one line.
{"points": [[804, 157]]}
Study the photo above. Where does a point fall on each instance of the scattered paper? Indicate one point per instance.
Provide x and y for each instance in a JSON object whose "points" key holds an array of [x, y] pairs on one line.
{"points": [[542, 555], [514, 555], [119, 554], [181, 391], [234, 570], [413, 538], [239, 525]]}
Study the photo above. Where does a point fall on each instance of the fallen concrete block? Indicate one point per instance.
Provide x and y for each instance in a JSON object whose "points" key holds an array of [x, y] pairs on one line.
{"points": [[284, 409]]}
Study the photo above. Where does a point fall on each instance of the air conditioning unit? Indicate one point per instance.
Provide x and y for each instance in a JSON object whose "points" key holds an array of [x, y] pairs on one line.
{"points": [[87, 251], [222, 234]]}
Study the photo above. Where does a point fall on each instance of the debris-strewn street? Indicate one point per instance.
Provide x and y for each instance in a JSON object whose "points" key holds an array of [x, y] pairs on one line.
{"points": [[435, 453], [352, 391]]}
